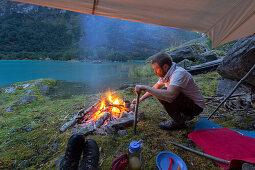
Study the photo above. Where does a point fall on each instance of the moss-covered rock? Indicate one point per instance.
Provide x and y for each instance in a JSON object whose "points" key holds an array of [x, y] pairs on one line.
{"points": [[24, 93], [239, 60]]}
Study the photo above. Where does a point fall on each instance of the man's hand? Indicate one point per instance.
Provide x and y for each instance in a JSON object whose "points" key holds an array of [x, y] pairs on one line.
{"points": [[139, 88], [134, 101]]}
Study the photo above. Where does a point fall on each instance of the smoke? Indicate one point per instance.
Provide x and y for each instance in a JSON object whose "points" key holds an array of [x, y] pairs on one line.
{"points": [[131, 38], [94, 31]]}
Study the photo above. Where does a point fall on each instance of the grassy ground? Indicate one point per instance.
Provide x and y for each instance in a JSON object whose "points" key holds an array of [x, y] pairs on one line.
{"points": [[40, 147]]}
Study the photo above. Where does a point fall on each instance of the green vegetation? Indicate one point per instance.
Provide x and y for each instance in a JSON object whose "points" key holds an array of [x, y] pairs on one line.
{"points": [[144, 70], [208, 83], [38, 34], [40, 146], [224, 47]]}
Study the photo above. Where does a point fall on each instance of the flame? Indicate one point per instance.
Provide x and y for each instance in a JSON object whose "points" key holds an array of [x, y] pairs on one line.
{"points": [[115, 101], [114, 110], [99, 113]]}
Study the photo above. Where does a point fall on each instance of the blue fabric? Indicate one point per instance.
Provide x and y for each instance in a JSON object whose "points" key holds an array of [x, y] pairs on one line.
{"points": [[246, 133], [207, 124]]}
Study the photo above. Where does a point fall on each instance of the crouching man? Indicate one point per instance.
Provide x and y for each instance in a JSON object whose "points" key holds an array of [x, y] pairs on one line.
{"points": [[181, 99]]}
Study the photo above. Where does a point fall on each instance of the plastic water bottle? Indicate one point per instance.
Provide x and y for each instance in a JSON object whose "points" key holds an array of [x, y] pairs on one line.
{"points": [[134, 155]]}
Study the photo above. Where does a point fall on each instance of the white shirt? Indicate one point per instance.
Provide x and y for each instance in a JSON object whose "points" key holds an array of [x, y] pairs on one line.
{"points": [[178, 76]]}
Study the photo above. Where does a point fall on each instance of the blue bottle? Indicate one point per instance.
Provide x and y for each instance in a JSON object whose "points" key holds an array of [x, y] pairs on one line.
{"points": [[134, 155]]}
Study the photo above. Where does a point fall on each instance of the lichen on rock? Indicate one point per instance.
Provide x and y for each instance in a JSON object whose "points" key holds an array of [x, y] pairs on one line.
{"points": [[23, 93]]}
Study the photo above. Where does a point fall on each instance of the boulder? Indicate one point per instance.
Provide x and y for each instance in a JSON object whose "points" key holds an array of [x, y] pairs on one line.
{"points": [[189, 52], [206, 57], [239, 60], [184, 63], [183, 53], [225, 86], [27, 92], [219, 53]]}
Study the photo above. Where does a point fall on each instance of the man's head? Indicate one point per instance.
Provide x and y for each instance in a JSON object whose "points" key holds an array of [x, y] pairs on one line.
{"points": [[161, 63]]}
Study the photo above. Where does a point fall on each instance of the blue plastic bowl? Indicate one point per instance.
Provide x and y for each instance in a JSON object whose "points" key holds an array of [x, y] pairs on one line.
{"points": [[162, 161]]}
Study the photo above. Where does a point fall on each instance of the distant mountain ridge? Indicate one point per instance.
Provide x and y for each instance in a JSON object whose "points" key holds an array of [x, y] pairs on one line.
{"points": [[35, 32]]}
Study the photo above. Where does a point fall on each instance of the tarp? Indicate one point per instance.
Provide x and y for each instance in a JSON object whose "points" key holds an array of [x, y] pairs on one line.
{"points": [[207, 124], [225, 144], [222, 20]]}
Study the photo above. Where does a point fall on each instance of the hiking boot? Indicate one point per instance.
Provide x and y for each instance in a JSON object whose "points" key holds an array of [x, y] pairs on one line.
{"points": [[73, 152], [90, 156], [170, 124], [186, 117]]}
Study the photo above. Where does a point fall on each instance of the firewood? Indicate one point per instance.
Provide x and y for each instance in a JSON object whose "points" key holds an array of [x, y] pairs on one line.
{"points": [[91, 115], [90, 111], [91, 107], [212, 105], [217, 99], [76, 118], [212, 101], [72, 122], [100, 121], [226, 106], [236, 86]]}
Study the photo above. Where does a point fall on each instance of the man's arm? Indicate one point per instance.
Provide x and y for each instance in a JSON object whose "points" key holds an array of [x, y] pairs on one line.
{"points": [[167, 95], [147, 94]]}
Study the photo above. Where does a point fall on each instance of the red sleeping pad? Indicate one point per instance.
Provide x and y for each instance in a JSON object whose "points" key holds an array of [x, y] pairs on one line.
{"points": [[226, 144]]}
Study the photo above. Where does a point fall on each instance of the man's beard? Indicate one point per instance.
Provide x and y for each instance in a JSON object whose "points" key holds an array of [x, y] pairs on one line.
{"points": [[162, 76], [164, 73]]}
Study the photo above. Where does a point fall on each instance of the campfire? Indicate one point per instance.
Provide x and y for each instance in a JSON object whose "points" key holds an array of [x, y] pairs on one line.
{"points": [[112, 106], [109, 115]]}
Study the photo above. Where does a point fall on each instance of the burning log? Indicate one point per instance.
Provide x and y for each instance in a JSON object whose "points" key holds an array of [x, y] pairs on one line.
{"points": [[90, 113], [76, 118], [102, 119], [109, 115]]}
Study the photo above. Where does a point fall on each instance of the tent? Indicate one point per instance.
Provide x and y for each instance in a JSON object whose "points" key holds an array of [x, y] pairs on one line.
{"points": [[222, 20]]}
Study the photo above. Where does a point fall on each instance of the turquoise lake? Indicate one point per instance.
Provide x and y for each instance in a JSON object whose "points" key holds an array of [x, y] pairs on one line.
{"points": [[93, 76]]}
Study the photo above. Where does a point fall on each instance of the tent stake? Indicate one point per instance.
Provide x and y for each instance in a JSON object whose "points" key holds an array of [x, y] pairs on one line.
{"points": [[233, 90], [202, 154]]}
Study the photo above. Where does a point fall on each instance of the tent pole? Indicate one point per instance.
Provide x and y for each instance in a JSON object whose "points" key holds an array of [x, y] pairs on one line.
{"points": [[202, 154], [233, 90]]}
